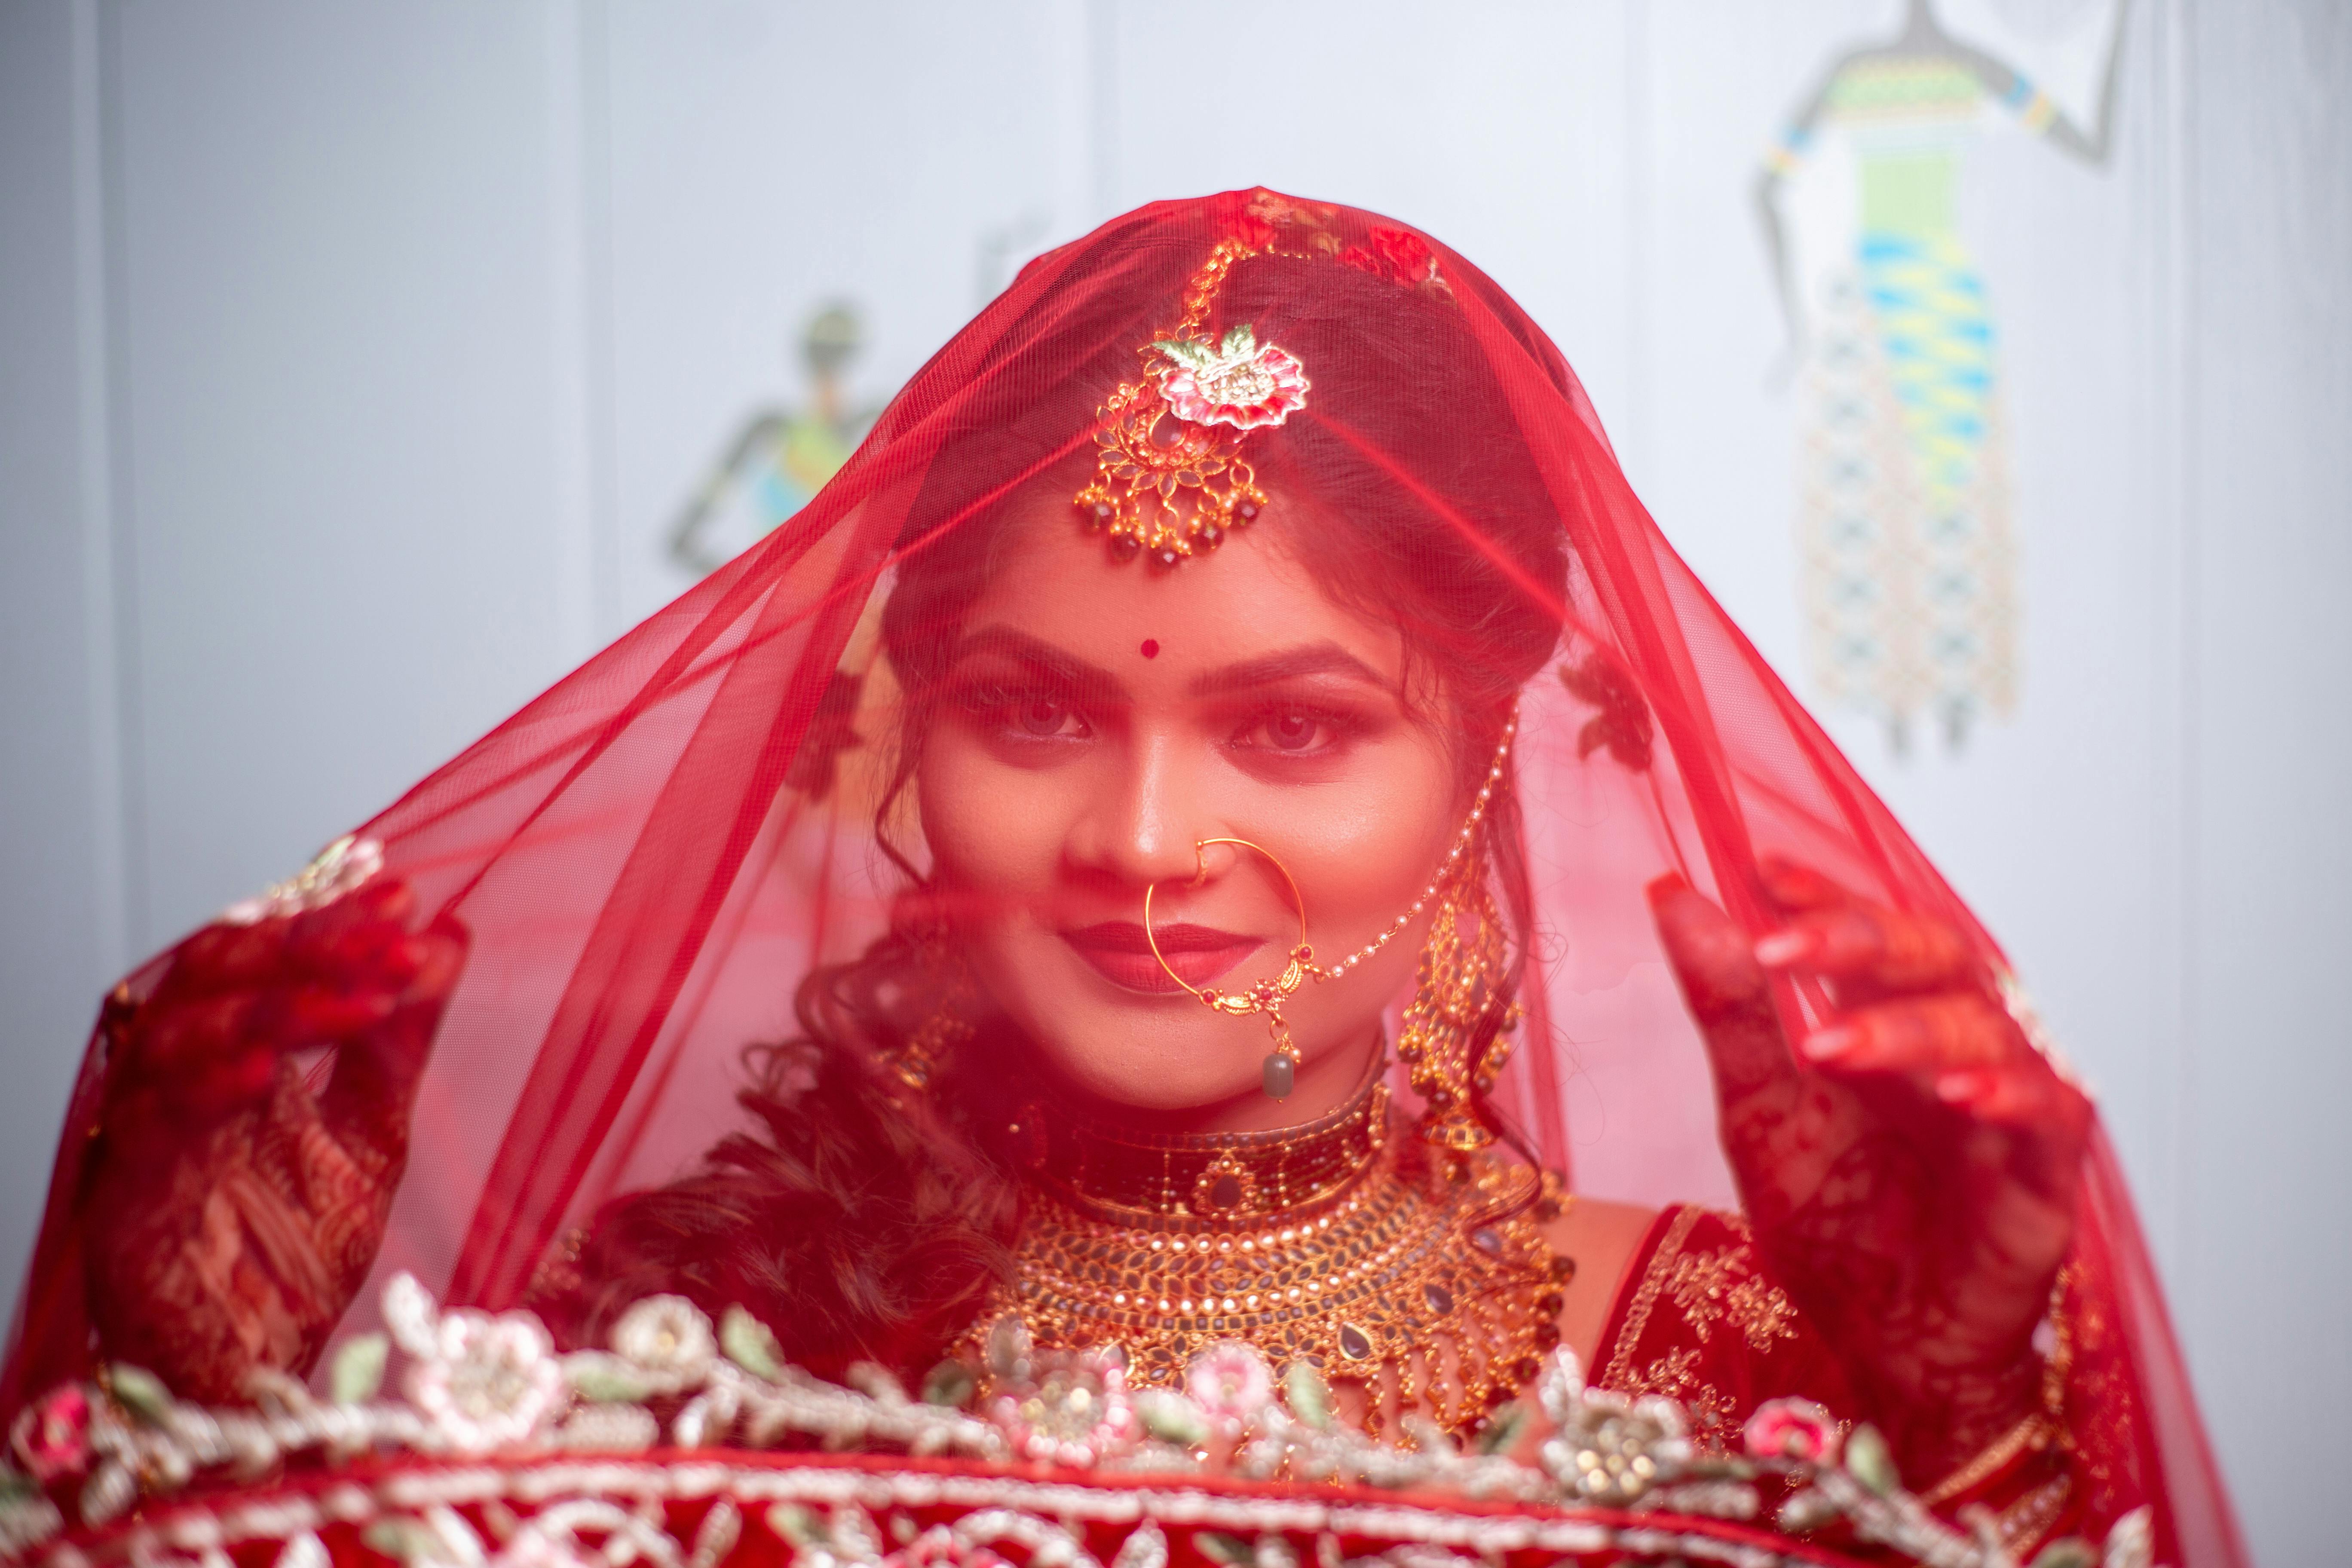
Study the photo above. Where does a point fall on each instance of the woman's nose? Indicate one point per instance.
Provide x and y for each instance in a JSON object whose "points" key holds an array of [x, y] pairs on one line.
{"points": [[1143, 825]]}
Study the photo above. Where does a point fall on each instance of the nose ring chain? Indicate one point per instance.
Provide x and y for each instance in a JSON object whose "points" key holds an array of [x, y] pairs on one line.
{"points": [[1266, 997]]}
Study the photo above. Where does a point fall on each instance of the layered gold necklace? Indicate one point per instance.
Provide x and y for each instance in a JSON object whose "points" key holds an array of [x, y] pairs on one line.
{"points": [[1418, 1275]]}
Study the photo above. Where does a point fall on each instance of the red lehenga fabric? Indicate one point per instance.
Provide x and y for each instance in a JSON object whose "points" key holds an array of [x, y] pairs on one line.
{"points": [[634, 868]]}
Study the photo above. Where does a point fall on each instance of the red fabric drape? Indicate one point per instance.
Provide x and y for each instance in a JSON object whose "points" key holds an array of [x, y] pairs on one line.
{"points": [[644, 863]]}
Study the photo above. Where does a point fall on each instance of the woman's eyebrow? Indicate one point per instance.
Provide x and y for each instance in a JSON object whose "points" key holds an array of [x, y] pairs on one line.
{"points": [[1082, 679], [1315, 658]]}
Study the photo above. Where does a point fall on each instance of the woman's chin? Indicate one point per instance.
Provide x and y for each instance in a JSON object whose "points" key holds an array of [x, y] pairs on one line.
{"points": [[1137, 1062], [1160, 1097], [1156, 1051]]}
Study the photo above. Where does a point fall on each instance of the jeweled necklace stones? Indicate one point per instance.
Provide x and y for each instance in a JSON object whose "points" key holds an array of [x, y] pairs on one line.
{"points": [[1333, 1243], [1119, 1175]]}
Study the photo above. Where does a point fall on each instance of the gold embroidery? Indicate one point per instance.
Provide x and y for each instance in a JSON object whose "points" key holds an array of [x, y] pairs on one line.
{"points": [[1762, 1310], [2030, 1432], [2024, 1522], [2037, 1431], [1724, 1286], [1699, 1283], [1646, 1299], [1675, 1372], [1676, 1376]]}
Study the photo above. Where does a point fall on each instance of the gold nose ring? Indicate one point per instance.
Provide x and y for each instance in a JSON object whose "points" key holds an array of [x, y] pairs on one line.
{"points": [[1265, 996]]}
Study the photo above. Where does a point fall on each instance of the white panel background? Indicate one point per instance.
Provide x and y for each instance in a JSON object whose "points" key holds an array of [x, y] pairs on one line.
{"points": [[353, 357]]}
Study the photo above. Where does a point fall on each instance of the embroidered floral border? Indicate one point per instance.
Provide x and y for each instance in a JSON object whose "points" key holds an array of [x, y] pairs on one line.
{"points": [[495, 1421]]}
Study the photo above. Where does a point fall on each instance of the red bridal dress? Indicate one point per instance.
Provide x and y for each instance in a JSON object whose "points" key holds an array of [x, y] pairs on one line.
{"points": [[485, 1195]]}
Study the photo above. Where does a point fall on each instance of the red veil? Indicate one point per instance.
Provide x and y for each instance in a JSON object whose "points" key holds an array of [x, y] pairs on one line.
{"points": [[645, 858]]}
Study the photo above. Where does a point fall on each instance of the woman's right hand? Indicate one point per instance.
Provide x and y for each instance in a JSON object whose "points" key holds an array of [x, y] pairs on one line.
{"points": [[239, 1182]]}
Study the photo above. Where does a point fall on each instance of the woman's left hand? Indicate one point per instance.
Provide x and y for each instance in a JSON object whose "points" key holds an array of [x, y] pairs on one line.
{"points": [[1910, 1168]]}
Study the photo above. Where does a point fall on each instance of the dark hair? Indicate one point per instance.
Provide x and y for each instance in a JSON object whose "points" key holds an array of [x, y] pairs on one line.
{"points": [[861, 1222]]}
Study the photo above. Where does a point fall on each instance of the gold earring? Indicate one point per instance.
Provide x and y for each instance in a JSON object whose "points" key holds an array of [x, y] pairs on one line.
{"points": [[1458, 989], [1281, 1071], [947, 1026]]}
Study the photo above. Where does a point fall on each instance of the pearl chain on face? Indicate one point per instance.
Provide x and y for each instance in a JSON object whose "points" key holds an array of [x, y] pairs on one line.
{"points": [[1453, 857]]}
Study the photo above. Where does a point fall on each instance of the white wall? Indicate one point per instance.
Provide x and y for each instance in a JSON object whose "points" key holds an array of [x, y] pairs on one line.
{"points": [[353, 357], [2264, 860]]}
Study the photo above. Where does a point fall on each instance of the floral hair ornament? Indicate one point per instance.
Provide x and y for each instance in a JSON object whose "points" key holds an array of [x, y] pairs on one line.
{"points": [[1170, 480]]}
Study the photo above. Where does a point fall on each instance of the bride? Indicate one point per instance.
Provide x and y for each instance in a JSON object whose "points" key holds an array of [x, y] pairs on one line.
{"points": [[1154, 852]]}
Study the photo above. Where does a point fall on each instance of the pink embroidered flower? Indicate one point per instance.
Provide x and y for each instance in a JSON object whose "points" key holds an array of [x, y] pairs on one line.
{"points": [[53, 1436], [489, 1382], [1077, 1411], [667, 1335], [1255, 230], [1240, 382], [1398, 255], [1229, 1382], [1792, 1429]]}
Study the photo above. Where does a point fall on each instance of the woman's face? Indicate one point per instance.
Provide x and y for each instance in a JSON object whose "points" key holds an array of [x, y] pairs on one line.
{"points": [[1096, 722]]}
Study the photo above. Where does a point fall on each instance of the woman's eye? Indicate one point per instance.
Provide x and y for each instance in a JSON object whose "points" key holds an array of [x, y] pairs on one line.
{"points": [[1290, 730], [1041, 716], [1025, 714]]}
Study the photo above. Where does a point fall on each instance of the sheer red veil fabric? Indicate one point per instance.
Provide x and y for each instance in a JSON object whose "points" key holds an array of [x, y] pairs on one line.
{"points": [[646, 858]]}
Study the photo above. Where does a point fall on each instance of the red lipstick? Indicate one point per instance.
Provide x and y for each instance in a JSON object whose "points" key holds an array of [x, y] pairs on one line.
{"points": [[1121, 953]]}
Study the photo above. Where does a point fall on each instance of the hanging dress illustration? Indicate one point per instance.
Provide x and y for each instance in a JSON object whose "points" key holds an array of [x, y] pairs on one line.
{"points": [[1906, 530]]}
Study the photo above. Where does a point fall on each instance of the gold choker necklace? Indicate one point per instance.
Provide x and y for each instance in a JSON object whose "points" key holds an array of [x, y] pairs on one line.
{"points": [[1121, 1175], [1421, 1279]]}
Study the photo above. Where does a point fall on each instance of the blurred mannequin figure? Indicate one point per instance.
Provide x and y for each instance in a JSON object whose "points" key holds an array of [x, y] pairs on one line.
{"points": [[781, 457]]}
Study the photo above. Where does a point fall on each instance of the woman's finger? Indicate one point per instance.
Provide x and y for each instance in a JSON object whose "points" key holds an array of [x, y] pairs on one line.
{"points": [[172, 1035], [153, 1116], [319, 1015], [1879, 947], [1711, 957], [376, 1076], [2026, 1094], [1994, 1094], [1793, 886], [227, 957], [189, 1034], [1727, 991], [357, 923], [380, 956], [1951, 1032], [438, 954]]}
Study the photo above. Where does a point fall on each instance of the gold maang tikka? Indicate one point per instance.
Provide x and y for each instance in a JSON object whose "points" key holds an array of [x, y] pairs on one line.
{"points": [[1170, 480], [1457, 986]]}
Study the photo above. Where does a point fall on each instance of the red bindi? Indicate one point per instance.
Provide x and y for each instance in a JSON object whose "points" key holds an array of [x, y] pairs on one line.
{"points": [[1152, 648]]}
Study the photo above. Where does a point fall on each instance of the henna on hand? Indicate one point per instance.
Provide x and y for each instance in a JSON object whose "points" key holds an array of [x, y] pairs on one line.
{"points": [[1910, 1168], [236, 1201]]}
